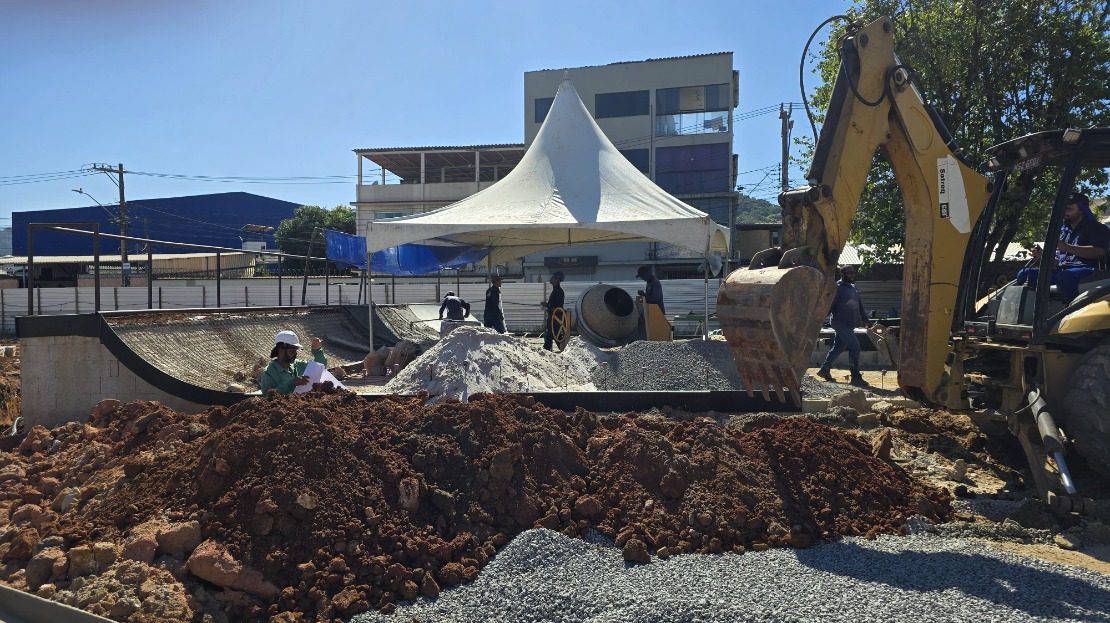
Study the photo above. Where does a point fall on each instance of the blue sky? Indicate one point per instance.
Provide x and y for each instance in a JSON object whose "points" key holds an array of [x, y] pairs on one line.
{"points": [[287, 89]]}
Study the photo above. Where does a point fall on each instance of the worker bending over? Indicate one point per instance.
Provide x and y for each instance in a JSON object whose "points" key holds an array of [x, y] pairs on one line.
{"points": [[457, 309], [284, 372]]}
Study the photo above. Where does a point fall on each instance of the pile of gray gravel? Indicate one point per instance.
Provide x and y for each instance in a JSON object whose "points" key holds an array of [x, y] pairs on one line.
{"points": [[669, 366], [545, 576], [688, 365]]}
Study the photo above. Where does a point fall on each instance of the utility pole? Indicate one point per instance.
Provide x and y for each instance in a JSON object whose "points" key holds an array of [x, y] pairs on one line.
{"points": [[787, 125], [125, 267]]}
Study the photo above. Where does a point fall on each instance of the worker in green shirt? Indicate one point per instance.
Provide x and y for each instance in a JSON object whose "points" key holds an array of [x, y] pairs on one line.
{"points": [[284, 372]]}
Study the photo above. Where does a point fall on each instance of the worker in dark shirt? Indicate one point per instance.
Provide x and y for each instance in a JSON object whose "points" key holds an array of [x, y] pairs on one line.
{"points": [[847, 314], [554, 301], [457, 309], [653, 290], [493, 316], [1083, 244]]}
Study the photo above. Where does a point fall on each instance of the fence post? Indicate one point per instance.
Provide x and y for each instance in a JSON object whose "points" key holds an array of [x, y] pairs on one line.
{"points": [[3, 314], [340, 295], [115, 297], [203, 296], [246, 297], [290, 295], [218, 289], [77, 299], [159, 297]]}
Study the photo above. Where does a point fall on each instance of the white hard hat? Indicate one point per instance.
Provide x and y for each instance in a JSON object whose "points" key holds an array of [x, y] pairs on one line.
{"points": [[287, 337]]}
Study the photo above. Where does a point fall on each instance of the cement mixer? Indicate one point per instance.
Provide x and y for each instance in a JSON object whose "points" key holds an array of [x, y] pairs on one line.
{"points": [[606, 315]]}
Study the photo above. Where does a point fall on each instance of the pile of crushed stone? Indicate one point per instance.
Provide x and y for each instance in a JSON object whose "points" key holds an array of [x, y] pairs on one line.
{"points": [[473, 359], [328, 505]]}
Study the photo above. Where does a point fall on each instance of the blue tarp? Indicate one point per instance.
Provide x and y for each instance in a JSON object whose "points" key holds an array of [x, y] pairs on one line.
{"points": [[405, 260], [346, 248], [421, 259]]}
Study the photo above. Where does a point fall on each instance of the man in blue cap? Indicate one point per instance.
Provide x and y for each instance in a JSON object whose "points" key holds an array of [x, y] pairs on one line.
{"points": [[1083, 244]]}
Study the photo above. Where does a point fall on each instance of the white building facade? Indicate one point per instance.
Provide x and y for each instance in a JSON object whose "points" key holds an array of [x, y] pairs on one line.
{"points": [[671, 117]]}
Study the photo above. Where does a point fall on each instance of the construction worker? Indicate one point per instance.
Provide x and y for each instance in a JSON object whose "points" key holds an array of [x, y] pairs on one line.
{"points": [[493, 316], [554, 301], [847, 314], [284, 372], [653, 290], [457, 309]]}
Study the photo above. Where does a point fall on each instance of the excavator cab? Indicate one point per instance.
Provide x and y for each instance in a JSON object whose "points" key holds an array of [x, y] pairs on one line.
{"points": [[1041, 167], [1034, 351]]}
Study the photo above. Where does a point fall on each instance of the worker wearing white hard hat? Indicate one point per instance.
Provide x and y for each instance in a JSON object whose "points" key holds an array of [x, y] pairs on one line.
{"points": [[284, 372]]}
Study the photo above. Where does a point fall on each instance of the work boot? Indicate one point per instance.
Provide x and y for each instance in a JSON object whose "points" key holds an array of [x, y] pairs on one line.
{"points": [[825, 374], [857, 379]]}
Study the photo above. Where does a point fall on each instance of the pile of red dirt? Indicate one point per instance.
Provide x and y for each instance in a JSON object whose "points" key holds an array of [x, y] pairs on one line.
{"points": [[329, 505]]}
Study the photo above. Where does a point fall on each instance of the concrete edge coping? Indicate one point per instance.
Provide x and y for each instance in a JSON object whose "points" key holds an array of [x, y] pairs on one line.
{"points": [[19, 607]]}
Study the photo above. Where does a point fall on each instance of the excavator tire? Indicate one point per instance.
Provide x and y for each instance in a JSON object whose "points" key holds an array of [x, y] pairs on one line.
{"points": [[1088, 407]]}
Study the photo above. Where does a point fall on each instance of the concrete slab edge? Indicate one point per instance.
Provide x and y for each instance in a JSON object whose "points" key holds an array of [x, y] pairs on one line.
{"points": [[19, 607], [818, 405]]}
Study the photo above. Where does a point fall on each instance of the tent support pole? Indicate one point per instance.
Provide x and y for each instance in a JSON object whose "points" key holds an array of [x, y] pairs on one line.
{"points": [[705, 322], [705, 325], [370, 307]]}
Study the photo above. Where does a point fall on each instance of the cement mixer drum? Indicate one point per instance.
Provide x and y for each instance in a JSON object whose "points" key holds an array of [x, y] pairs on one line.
{"points": [[606, 315]]}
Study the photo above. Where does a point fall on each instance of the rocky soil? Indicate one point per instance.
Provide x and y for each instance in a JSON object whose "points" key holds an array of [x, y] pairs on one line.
{"points": [[323, 506]]}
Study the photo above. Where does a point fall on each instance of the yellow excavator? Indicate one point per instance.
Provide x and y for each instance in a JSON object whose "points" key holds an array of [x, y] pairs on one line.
{"points": [[1019, 351]]}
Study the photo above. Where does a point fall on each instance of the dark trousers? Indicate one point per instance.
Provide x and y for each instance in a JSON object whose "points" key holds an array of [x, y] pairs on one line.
{"points": [[495, 323], [548, 332], [845, 340], [1066, 279]]}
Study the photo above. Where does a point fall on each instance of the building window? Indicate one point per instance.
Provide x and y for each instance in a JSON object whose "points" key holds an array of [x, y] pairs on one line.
{"points": [[692, 169], [639, 158], [543, 104], [624, 104], [383, 215], [693, 110]]}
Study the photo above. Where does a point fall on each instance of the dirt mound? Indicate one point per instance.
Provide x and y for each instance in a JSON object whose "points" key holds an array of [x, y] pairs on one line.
{"points": [[329, 505]]}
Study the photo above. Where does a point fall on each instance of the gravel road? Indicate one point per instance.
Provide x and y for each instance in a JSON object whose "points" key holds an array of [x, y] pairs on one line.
{"points": [[545, 576]]}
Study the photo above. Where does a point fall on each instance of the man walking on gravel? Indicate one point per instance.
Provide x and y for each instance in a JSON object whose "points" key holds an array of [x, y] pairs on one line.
{"points": [[847, 314]]}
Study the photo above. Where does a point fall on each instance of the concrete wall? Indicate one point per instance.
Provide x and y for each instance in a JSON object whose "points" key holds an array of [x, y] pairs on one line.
{"points": [[63, 377]]}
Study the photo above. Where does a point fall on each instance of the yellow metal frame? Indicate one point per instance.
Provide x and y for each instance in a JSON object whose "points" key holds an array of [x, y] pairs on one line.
{"points": [[937, 232]]}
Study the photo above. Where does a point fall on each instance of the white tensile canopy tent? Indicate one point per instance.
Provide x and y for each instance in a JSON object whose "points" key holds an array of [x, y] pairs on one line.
{"points": [[571, 187]]}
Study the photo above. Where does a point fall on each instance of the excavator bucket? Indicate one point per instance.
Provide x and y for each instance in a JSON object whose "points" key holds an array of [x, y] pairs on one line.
{"points": [[771, 318]]}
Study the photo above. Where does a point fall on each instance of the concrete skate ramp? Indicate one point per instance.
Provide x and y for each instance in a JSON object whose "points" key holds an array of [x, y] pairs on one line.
{"points": [[415, 323], [213, 349]]}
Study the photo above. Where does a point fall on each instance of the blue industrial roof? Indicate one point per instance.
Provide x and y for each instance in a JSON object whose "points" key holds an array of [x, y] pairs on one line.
{"points": [[215, 219]]}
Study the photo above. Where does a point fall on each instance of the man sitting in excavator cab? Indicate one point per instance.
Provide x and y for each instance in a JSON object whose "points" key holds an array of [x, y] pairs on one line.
{"points": [[1080, 251]]}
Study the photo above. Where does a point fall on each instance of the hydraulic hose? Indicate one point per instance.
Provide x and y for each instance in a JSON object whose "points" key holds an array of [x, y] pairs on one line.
{"points": [[1050, 435]]}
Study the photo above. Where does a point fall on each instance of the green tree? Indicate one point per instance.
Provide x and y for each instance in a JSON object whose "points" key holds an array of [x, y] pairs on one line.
{"points": [[995, 70], [752, 210], [293, 234]]}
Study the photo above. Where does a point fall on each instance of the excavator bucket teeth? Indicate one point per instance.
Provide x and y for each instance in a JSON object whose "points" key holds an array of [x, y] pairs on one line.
{"points": [[771, 318]]}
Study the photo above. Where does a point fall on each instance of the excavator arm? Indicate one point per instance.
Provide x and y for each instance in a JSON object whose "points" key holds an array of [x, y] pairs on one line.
{"points": [[771, 312]]}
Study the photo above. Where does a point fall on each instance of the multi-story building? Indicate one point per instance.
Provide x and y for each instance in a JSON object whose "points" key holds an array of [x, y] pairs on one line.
{"points": [[671, 117]]}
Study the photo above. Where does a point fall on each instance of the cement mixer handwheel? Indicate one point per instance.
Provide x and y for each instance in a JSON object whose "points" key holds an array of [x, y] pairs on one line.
{"points": [[560, 327]]}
